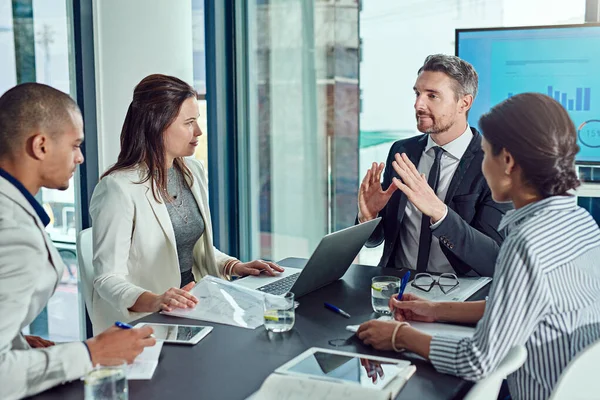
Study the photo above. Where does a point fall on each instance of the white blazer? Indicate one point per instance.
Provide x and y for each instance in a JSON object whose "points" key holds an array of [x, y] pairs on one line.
{"points": [[134, 244], [30, 270]]}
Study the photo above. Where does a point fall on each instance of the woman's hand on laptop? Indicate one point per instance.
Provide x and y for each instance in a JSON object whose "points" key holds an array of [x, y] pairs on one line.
{"points": [[256, 267]]}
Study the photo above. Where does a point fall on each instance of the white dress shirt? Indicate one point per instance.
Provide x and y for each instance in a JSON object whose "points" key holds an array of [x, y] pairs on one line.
{"points": [[410, 230]]}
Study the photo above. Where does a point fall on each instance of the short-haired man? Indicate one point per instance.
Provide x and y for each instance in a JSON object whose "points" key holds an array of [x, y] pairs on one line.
{"points": [[442, 219], [41, 131]]}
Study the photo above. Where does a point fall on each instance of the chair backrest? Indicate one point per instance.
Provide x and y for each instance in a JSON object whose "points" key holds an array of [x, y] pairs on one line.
{"points": [[85, 255], [489, 387], [580, 379]]}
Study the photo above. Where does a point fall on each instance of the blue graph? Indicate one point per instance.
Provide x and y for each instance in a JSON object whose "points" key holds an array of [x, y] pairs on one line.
{"points": [[553, 61], [582, 101]]}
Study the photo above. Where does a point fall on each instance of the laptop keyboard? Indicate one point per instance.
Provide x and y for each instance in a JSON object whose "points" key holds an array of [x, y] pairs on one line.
{"points": [[281, 286]]}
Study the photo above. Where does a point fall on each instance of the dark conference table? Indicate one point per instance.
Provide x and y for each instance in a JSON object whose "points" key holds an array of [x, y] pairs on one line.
{"points": [[232, 362]]}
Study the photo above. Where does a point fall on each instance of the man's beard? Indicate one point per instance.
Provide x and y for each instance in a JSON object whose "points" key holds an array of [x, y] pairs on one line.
{"points": [[435, 128]]}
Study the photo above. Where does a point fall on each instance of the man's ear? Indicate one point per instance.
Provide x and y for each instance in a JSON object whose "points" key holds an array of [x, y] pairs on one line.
{"points": [[38, 146], [465, 103]]}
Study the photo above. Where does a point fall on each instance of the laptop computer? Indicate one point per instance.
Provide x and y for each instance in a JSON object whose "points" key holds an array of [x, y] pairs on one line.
{"points": [[328, 263]]}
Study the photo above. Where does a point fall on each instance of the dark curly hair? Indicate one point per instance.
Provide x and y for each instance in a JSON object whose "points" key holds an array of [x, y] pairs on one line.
{"points": [[537, 131]]}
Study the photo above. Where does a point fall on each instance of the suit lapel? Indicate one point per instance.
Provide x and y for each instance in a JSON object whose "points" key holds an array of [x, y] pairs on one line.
{"points": [[463, 165], [161, 214], [54, 258]]}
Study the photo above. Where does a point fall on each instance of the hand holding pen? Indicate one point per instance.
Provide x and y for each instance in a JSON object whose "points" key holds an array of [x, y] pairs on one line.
{"points": [[409, 307], [118, 344]]}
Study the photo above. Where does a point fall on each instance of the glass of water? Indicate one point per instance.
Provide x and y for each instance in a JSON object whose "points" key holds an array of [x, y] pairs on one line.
{"points": [[382, 288], [279, 312], [107, 383]]}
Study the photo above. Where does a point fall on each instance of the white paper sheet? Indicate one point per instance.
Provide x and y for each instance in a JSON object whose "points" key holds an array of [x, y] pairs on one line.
{"points": [[431, 328], [466, 288], [144, 365], [225, 303]]}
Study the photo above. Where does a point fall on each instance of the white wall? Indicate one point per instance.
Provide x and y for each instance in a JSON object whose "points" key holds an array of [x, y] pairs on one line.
{"points": [[133, 39]]}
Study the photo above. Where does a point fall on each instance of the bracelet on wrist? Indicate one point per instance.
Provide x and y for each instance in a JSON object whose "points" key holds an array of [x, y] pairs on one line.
{"points": [[229, 267], [398, 326]]}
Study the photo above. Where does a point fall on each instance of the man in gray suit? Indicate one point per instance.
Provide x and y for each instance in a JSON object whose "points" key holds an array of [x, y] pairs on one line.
{"points": [[41, 131]]}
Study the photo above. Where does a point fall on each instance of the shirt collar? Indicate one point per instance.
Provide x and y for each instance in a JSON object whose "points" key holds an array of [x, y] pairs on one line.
{"points": [[515, 218], [34, 203], [456, 148]]}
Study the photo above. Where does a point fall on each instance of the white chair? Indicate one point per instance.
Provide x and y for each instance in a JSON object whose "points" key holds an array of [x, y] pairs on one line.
{"points": [[579, 381], [85, 255], [489, 387]]}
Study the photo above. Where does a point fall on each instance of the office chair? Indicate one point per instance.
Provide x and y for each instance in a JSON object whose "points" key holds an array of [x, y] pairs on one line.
{"points": [[489, 387], [86, 267], [579, 381]]}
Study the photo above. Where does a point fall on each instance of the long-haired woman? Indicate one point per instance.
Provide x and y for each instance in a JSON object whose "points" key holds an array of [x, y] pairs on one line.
{"points": [[152, 232]]}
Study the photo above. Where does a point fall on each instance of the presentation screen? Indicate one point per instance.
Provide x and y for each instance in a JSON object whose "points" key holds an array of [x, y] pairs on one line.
{"points": [[562, 62]]}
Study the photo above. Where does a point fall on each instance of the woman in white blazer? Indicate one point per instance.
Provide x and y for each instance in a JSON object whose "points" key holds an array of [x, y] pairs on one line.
{"points": [[151, 224]]}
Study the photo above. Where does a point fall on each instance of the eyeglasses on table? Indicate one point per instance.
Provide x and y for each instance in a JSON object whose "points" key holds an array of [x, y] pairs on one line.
{"points": [[425, 282]]}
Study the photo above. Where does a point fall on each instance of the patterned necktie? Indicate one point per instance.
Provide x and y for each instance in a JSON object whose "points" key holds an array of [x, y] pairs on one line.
{"points": [[425, 236]]}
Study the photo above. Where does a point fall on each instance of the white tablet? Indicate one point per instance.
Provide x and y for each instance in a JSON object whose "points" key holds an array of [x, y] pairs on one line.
{"points": [[344, 367], [179, 334]]}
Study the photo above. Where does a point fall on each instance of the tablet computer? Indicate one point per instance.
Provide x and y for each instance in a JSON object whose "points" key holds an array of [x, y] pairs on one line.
{"points": [[179, 334], [344, 367]]}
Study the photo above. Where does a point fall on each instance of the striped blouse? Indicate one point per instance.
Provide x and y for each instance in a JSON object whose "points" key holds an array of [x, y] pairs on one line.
{"points": [[545, 295]]}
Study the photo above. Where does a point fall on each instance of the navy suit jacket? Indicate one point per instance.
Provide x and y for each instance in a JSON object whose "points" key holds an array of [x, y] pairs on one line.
{"points": [[469, 235]]}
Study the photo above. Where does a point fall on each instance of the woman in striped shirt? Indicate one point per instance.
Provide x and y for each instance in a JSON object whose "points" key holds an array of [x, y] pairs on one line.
{"points": [[545, 294]]}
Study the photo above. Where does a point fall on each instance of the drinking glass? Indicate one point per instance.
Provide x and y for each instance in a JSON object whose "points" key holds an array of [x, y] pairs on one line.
{"points": [[107, 383], [382, 288], [279, 313]]}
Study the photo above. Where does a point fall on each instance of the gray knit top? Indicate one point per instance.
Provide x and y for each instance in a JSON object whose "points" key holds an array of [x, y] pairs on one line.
{"points": [[187, 222]]}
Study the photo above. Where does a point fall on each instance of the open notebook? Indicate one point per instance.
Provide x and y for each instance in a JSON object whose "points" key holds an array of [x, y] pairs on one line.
{"points": [[324, 374]]}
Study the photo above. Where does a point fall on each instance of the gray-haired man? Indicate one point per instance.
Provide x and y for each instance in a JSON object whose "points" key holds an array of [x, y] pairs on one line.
{"points": [[436, 207]]}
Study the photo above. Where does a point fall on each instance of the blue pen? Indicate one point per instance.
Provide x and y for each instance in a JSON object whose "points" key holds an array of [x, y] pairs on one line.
{"points": [[123, 325], [337, 310], [403, 285]]}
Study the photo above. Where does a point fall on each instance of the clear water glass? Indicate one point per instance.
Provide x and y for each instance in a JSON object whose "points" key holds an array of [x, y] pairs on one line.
{"points": [[382, 288], [279, 314], [107, 383]]}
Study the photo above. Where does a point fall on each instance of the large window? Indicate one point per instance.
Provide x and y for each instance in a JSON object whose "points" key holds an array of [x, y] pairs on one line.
{"points": [[325, 88], [200, 76], [302, 122], [35, 47]]}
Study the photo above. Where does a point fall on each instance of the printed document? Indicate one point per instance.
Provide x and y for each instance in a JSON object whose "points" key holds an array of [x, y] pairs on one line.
{"points": [[226, 303]]}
